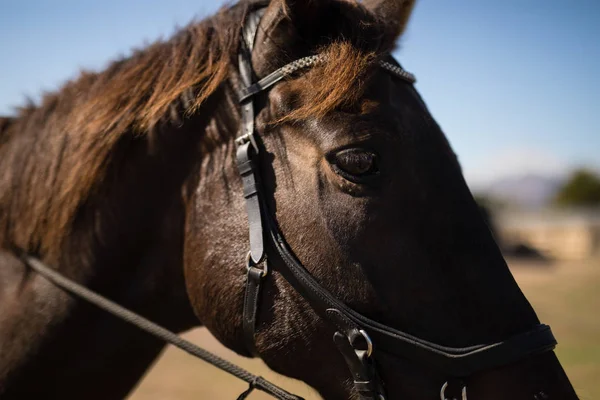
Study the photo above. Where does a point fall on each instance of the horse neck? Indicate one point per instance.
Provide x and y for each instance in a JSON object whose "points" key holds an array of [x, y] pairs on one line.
{"points": [[125, 235], [56, 184], [134, 208], [125, 241]]}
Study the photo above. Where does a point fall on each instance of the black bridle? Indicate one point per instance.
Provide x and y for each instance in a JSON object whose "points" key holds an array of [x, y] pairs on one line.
{"points": [[356, 336]]}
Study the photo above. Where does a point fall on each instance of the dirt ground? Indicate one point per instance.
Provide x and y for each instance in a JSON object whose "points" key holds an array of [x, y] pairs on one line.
{"points": [[565, 296]]}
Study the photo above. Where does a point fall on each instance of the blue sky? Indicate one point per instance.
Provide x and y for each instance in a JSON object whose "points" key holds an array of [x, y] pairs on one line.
{"points": [[515, 84]]}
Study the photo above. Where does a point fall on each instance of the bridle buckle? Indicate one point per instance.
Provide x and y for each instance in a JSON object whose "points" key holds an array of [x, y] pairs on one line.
{"points": [[245, 138], [251, 264]]}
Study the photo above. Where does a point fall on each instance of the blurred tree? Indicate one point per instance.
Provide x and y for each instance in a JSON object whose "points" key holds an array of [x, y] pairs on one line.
{"points": [[582, 189]]}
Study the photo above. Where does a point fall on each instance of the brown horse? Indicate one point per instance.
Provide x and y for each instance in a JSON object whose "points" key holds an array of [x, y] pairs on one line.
{"points": [[125, 181]]}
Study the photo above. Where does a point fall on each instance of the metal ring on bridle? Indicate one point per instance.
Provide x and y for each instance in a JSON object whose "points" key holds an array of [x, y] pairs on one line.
{"points": [[250, 264], [443, 392], [368, 341]]}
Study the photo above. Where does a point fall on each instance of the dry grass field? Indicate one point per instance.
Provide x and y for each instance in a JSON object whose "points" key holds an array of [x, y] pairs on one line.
{"points": [[565, 295]]}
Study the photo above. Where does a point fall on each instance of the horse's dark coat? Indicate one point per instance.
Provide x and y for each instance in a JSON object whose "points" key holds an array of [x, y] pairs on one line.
{"points": [[125, 180]]}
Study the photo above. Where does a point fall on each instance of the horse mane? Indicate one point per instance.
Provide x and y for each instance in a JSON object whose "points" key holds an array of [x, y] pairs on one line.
{"points": [[5, 122], [154, 82], [170, 79], [67, 140]]}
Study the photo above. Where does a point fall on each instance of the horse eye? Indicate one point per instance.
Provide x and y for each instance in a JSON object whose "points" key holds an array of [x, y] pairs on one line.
{"points": [[355, 163]]}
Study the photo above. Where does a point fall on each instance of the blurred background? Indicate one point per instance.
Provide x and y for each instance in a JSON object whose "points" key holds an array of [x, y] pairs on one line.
{"points": [[515, 86]]}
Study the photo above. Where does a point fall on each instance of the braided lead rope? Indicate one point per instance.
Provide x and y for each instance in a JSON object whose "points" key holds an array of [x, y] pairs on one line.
{"points": [[70, 286]]}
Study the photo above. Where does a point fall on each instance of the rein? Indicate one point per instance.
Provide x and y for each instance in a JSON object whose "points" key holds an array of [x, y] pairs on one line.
{"points": [[74, 288], [357, 337]]}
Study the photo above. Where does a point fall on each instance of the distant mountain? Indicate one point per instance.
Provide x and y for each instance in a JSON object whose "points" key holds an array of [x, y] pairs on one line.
{"points": [[529, 191]]}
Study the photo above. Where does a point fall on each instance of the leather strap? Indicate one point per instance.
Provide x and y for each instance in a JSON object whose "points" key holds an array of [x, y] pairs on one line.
{"points": [[247, 77], [247, 152], [254, 279], [360, 366], [251, 184], [454, 362], [276, 76]]}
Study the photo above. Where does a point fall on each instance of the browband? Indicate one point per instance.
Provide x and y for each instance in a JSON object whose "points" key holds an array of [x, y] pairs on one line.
{"points": [[307, 62]]}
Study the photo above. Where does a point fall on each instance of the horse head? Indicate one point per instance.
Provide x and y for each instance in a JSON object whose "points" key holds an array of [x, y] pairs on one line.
{"points": [[361, 182]]}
